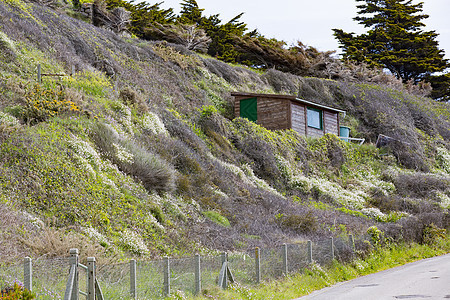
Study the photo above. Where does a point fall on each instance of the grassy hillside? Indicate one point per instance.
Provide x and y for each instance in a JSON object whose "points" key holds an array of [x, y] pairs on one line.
{"points": [[138, 154]]}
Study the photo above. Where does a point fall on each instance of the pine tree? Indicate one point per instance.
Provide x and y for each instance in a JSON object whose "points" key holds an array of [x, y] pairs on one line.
{"points": [[395, 40]]}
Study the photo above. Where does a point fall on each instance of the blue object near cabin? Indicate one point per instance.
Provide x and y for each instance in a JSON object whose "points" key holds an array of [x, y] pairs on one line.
{"points": [[344, 132]]}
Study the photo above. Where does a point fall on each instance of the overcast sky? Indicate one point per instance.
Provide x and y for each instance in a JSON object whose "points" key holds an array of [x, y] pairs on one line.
{"points": [[312, 21]]}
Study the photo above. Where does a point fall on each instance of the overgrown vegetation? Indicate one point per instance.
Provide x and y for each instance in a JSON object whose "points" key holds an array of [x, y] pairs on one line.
{"points": [[139, 154]]}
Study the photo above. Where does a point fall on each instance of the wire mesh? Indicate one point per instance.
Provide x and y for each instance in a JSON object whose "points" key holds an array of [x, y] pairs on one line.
{"points": [[50, 277], [297, 257], [182, 275], [10, 273], [150, 279], [242, 266], [343, 250], [114, 280], [210, 268], [322, 252], [271, 263]]}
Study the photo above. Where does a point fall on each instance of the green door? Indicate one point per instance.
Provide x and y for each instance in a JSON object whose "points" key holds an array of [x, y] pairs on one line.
{"points": [[248, 109]]}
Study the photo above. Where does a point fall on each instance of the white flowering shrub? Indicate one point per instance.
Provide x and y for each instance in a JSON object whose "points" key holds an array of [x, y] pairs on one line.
{"points": [[35, 221], [133, 242], [245, 173], [122, 154], [444, 200], [7, 119], [152, 220], [443, 159], [124, 118], [373, 213], [152, 122], [93, 234], [6, 41], [85, 150]]}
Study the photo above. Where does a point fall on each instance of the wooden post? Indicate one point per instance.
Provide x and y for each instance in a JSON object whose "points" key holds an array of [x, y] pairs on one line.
{"points": [[225, 277], [91, 278], [72, 71], [39, 76], [198, 275], [284, 255], [74, 261], [310, 256], [166, 276], [27, 274], [133, 292], [257, 265], [332, 248]]}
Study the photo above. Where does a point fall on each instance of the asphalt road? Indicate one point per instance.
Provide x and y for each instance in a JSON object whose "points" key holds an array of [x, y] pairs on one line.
{"points": [[426, 279]]}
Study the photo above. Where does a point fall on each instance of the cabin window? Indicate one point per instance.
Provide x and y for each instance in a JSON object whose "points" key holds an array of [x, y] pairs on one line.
{"points": [[314, 117]]}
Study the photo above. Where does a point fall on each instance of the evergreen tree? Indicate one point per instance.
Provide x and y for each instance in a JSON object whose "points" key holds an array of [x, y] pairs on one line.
{"points": [[395, 40]]}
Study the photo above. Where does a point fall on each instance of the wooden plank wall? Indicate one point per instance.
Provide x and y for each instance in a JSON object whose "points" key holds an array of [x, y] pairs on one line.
{"points": [[330, 121], [273, 113], [298, 118]]}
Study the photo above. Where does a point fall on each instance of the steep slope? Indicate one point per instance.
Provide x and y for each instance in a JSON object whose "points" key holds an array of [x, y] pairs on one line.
{"points": [[137, 153]]}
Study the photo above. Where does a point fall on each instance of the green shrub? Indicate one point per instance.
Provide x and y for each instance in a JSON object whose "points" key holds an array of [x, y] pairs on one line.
{"points": [[433, 234], [216, 218]]}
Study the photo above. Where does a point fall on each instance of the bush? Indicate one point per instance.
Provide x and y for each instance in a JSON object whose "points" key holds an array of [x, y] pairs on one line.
{"points": [[17, 292], [42, 103], [306, 223], [133, 159], [420, 184], [216, 218], [432, 234]]}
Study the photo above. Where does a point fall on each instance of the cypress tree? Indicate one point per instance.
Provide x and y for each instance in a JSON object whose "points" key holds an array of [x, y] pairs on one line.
{"points": [[395, 40]]}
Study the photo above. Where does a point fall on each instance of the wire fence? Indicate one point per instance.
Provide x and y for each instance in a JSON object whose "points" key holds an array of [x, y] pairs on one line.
{"points": [[156, 279]]}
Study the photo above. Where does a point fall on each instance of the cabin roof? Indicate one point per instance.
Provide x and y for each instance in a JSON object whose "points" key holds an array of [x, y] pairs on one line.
{"points": [[290, 98]]}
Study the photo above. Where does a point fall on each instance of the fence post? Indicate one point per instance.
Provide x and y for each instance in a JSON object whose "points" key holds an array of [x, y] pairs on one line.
{"points": [[27, 274], [39, 76], [332, 248], [224, 256], [72, 71], [133, 279], [284, 256], [73, 260], [310, 256], [258, 265], [198, 275], [352, 242], [91, 278], [166, 276]]}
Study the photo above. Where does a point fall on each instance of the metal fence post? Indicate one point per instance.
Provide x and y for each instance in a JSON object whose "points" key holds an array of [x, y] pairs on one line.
{"points": [[74, 261], [91, 278], [166, 276], [310, 257], [352, 242], [198, 275], [133, 292], [284, 256], [332, 248], [39, 76], [27, 274], [257, 265]]}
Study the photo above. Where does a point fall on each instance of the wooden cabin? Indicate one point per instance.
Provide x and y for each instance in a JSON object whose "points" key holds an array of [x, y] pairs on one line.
{"points": [[285, 112]]}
